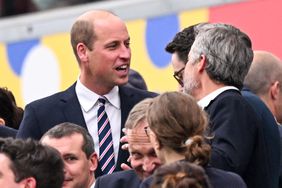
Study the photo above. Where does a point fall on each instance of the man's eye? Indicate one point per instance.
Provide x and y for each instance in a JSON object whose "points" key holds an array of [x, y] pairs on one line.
{"points": [[136, 155], [127, 44], [70, 158], [112, 46]]}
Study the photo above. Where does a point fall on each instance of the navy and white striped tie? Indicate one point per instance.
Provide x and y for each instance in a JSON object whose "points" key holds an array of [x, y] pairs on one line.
{"points": [[106, 148]]}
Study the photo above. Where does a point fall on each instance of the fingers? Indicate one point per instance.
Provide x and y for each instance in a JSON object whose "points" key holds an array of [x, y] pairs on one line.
{"points": [[125, 167], [124, 147]]}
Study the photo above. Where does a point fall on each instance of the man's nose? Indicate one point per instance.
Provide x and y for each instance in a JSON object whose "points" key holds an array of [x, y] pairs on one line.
{"points": [[148, 165], [125, 52]]}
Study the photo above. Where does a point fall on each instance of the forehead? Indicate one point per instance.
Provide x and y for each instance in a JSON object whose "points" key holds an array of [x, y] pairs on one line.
{"points": [[144, 149], [110, 29], [177, 64], [4, 163], [66, 144]]}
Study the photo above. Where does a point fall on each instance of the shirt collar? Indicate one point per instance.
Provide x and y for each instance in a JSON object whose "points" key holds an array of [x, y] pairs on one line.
{"points": [[205, 101], [88, 98]]}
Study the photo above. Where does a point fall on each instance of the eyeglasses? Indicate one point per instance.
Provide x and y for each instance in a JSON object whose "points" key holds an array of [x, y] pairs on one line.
{"points": [[179, 76], [147, 130]]}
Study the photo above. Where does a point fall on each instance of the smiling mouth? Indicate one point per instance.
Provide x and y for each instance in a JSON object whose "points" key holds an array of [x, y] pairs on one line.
{"points": [[122, 68]]}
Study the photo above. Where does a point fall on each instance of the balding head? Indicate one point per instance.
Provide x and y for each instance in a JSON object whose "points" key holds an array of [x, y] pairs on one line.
{"points": [[83, 30], [266, 68]]}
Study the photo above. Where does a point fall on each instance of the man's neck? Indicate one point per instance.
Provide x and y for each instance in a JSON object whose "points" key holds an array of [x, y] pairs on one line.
{"points": [[98, 88], [206, 88]]}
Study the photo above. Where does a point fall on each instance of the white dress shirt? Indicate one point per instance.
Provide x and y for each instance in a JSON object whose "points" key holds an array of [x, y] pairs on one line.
{"points": [[89, 104], [205, 101]]}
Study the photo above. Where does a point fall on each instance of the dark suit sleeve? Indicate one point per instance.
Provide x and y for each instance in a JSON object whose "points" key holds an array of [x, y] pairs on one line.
{"points": [[233, 127], [28, 127]]}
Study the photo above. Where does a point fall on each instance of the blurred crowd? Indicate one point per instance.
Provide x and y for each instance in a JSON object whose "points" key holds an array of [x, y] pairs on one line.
{"points": [[16, 7]]}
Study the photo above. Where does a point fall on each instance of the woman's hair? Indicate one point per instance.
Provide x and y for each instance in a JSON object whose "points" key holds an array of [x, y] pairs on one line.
{"points": [[9, 111], [180, 174], [179, 124]]}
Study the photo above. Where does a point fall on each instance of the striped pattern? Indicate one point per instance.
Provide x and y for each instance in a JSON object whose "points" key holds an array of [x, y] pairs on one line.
{"points": [[106, 148]]}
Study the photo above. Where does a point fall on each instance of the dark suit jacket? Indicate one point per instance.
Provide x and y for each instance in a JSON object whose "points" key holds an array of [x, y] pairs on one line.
{"points": [[7, 132], [269, 134], [123, 179], [43, 114], [218, 179], [239, 141], [280, 176]]}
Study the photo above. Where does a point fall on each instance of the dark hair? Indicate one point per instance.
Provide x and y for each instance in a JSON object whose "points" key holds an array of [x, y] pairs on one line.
{"points": [[68, 129], [179, 124], [180, 174], [9, 111], [31, 159], [182, 42]]}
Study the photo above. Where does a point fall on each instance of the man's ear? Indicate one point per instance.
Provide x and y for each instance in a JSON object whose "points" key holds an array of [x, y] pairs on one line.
{"points": [[29, 182], [202, 63], [275, 90], [2, 121], [82, 52], [93, 160]]}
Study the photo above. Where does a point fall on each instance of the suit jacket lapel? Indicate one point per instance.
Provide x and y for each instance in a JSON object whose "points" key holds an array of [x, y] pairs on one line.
{"points": [[71, 107], [126, 104]]}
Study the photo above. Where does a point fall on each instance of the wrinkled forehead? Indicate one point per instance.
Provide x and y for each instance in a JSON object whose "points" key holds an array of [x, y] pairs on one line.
{"points": [[137, 136]]}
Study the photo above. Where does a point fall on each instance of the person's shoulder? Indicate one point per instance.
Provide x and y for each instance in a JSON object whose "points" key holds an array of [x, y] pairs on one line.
{"points": [[224, 177], [53, 99], [231, 99], [118, 179], [146, 183], [7, 131], [125, 173]]}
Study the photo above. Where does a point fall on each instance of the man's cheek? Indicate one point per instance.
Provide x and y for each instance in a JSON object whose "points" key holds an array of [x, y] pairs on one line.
{"points": [[135, 164]]}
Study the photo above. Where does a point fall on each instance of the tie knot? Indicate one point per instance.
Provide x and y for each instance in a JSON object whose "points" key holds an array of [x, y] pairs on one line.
{"points": [[102, 101]]}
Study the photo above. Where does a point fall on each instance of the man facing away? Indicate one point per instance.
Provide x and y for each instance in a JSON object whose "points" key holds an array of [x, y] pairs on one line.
{"points": [[76, 147], [265, 80], [101, 45], [217, 63]]}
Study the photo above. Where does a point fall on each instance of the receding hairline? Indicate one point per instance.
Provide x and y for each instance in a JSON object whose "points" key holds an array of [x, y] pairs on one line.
{"points": [[96, 14]]}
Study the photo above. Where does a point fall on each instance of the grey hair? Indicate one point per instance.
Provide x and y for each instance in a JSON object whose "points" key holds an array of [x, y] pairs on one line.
{"points": [[228, 52]]}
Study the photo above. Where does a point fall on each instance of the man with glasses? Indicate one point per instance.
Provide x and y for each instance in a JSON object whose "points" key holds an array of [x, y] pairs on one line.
{"points": [[214, 72], [179, 48]]}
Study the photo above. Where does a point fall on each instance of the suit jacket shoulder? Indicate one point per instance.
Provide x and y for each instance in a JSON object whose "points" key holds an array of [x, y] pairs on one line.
{"points": [[122, 179], [7, 132], [238, 144], [224, 179], [43, 114]]}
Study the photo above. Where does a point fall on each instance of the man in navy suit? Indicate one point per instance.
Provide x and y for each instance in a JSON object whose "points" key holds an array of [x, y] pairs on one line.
{"points": [[264, 79], [101, 44], [213, 73], [143, 158]]}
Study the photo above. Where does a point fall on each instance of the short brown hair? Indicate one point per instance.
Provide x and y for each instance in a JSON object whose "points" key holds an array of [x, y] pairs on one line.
{"points": [[82, 31]]}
